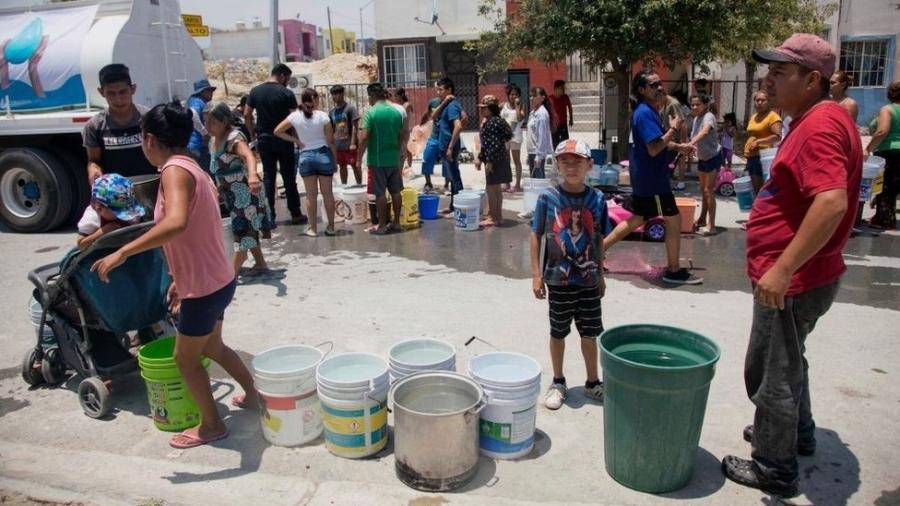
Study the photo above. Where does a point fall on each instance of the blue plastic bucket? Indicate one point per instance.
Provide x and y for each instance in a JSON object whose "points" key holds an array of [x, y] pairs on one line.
{"points": [[743, 190], [428, 206]]}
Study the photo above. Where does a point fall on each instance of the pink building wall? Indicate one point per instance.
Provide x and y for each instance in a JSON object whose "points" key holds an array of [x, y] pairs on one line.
{"points": [[300, 42]]}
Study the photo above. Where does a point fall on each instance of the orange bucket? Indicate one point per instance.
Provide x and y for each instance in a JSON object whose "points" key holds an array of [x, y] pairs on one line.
{"points": [[686, 206]]}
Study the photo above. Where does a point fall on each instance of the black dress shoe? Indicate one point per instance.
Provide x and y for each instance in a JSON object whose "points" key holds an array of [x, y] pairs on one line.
{"points": [[744, 472], [803, 448]]}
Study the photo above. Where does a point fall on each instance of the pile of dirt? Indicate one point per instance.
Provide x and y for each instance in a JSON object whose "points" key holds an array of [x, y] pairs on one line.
{"points": [[235, 77], [340, 69]]}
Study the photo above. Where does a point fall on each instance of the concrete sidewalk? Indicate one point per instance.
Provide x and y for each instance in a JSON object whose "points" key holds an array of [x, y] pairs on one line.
{"points": [[365, 293]]}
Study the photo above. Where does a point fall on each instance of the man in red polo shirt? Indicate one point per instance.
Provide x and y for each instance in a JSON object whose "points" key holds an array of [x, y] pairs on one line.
{"points": [[798, 227]]}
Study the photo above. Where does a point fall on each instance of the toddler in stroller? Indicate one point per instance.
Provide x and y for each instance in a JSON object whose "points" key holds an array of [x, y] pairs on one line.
{"points": [[91, 319]]}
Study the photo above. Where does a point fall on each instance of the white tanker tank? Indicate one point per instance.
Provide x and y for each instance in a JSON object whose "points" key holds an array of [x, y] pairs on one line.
{"points": [[50, 56]]}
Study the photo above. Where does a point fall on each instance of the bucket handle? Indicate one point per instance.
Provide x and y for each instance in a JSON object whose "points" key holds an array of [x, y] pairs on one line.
{"points": [[476, 338], [323, 343], [383, 404]]}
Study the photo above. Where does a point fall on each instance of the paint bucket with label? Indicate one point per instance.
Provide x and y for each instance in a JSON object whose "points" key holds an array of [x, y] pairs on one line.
{"points": [[285, 377], [512, 385], [352, 389], [171, 404], [467, 211]]}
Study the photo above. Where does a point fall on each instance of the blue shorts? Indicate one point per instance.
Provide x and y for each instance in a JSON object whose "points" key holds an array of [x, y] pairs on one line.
{"points": [[198, 317], [316, 162], [711, 165], [754, 166], [430, 156]]}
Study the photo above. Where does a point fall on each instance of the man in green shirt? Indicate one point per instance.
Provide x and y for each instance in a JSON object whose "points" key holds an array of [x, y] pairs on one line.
{"points": [[382, 133]]}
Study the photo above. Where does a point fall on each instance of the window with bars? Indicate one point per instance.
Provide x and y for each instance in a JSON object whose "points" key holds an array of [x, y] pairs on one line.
{"points": [[404, 65], [865, 61]]}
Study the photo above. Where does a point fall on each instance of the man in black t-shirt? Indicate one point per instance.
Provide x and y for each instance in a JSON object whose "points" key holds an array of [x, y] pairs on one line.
{"points": [[112, 137], [273, 102]]}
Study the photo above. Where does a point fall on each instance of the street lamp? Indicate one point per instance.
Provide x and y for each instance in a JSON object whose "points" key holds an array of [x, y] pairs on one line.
{"points": [[361, 37]]}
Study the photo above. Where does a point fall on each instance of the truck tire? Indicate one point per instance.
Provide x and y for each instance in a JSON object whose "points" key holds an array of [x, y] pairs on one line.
{"points": [[35, 190], [81, 190]]}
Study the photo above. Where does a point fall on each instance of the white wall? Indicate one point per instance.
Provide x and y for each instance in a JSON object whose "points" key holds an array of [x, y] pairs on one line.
{"points": [[868, 17], [394, 19], [252, 43]]}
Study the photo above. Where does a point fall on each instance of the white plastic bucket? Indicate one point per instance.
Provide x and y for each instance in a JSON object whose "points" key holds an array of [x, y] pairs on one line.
{"points": [[417, 355], [227, 238], [872, 167], [355, 209], [35, 310], [352, 389], [285, 378], [532, 189], [512, 385], [766, 156], [467, 211], [482, 196], [743, 190], [287, 370], [290, 420]]}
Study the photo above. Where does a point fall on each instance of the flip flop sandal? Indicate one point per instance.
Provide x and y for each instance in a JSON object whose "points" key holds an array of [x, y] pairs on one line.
{"points": [[183, 440], [240, 401]]}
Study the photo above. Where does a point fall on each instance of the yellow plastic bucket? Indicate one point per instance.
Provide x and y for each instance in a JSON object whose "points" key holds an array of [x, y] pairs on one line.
{"points": [[409, 213]]}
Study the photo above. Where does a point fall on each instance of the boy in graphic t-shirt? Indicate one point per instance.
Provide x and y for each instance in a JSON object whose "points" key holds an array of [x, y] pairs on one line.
{"points": [[568, 226], [345, 122]]}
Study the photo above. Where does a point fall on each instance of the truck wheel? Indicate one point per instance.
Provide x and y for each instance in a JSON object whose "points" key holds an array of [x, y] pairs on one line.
{"points": [[81, 190], [35, 190]]}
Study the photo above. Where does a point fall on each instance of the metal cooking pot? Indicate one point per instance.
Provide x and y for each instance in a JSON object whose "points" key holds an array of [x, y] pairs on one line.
{"points": [[436, 429], [145, 191]]}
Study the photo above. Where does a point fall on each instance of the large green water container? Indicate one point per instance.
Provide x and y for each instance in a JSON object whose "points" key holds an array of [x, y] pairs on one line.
{"points": [[656, 383]]}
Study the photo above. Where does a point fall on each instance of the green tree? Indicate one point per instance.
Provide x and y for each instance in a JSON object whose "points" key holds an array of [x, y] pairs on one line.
{"points": [[766, 23], [608, 33]]}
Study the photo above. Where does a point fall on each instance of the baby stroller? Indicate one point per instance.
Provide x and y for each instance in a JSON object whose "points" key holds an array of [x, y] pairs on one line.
{"points": [[90, 319]]}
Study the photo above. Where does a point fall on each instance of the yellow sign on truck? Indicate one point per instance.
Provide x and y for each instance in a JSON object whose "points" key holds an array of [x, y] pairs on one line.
{"points": [[198, 31], [192, 19]]}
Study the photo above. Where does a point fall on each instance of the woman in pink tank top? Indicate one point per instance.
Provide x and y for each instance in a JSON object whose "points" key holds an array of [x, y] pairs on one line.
{"points": [[189, 230]]}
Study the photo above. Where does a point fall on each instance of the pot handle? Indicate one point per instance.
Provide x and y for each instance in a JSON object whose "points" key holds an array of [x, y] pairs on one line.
{"points": [[485, 400], [323, 343]]}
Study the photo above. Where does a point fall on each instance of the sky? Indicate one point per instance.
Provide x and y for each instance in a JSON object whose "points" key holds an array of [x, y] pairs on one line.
{"points": [[344, 13]]}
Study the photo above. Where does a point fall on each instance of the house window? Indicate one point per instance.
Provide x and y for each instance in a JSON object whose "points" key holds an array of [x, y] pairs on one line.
{"points": [[404, 65], [865, 61]]}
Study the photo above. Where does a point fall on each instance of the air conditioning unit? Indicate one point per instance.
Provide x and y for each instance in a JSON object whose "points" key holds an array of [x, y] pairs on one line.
{"points": [[299, 82]]}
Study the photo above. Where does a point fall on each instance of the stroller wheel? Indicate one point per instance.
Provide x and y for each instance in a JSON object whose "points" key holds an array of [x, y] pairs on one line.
{"points": [[52, 367], [31, 370], [94, 397]]}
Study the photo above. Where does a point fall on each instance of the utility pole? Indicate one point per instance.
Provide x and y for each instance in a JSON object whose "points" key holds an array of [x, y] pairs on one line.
{"points": [[273, 31], [362, 37], [331, 32]]}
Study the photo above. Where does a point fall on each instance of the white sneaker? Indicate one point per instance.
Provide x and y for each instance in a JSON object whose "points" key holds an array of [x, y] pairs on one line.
{"points": [[555, 396], [595, 392], [679, 185]]}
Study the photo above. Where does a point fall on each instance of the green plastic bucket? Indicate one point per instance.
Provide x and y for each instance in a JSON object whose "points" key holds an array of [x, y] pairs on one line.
{"points": [[171, 404], [656, 381]]}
